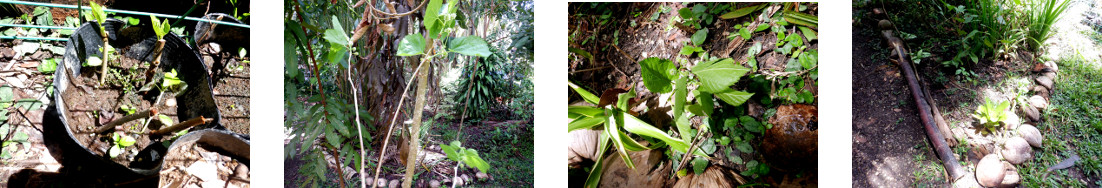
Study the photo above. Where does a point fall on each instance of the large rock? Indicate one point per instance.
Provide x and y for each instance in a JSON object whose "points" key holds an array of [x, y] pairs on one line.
{"points": [[1031, 135], [1011, 179], [990, 171], [1017, 150], [1038, 102], [1031, 113], [1045, 81]]}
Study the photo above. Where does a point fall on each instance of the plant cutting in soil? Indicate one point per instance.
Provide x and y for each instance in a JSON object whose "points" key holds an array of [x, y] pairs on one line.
{"points": [[731, 83]]}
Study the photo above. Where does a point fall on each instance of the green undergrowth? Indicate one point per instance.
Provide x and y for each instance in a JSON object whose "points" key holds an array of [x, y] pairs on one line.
{"points": [[1073, 126]]}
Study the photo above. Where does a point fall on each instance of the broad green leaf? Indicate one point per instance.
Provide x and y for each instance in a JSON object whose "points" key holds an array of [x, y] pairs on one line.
{"points": [[337, 35], [430, 19], [624, 98], [164, 119], [586, 95], [471, 158], [341, 127], [699, 164], [733, 97], [745, 147], [683, 127], [679, 96], [750, 124], [685, 13], [125, 141], [469, 45], [706, 103], [809, 59], [412, 44], [809, 33], [586, 122], [742, 11], [699, 36], [157, 28], [332, 138], [337, 54], [717, 75], [687, 50], [48, 65], [657, 74]]}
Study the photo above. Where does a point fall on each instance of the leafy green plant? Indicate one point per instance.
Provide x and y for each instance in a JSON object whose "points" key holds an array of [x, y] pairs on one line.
{"points": [[696, 16], [1044, 13], [456, 152], [482, 83], [100, 17], [992, 115], [120, 144], [697, 40]]}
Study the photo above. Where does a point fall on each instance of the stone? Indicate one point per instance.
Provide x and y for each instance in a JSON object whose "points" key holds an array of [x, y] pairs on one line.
{"points": [[457, 181], [381, 182], [434, 184], [170, 102], [990, 171], [482, 176], [1012, 120], [1041, 91], [1016, 150], [1049, 75], [1052, 66], [1031, 113], [394, 183], [1044, 81], [1031, 135], [1039, 102], [1011, 177]]}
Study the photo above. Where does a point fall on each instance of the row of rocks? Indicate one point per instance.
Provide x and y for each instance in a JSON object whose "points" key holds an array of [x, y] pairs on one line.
{"points": [[461, 180], [998, 170]]}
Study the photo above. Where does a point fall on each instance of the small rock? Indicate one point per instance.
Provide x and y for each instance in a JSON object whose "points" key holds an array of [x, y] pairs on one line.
{"points": [[482, 176], [990, 171], [394, 183], [434, 183], [1017, 150], [1031, 113], [457, 181], [1045, 81], [1011, 178], [381, 182], [1031, 135], [170, 102], [1052, 65], [1042, 91], [1039, 102], [1049, 75]]}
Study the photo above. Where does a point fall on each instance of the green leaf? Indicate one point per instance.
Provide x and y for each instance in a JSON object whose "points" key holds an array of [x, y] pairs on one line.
{"points": [[745, 147], [750, 124], [657, 74], [94, 61], [126, 141], [450, 150], [430, 19], [699, 164], [742, 11], [679, 96], [158, 28], [171, 79], [612, 129], [586, 95], [636, 126], [733, 97], [412, 44], [48, 65], [594, 177], [699, 36], [809, 59], [809, 33], [129, 110], [745, 33], [469, 45], [683, 127], [707, 104], [471, 158], [586, 111], [337, 35], [586, 122], [717, 75], [114, 151], [685, 13], [332, 137]]}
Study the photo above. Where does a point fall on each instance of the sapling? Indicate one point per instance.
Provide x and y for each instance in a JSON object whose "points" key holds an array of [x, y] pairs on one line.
{"points": [[161, 28], [101, 17], [121, 142]]}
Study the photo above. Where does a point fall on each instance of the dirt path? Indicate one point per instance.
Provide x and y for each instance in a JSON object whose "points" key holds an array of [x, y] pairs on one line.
{"points": [[886, 128]]}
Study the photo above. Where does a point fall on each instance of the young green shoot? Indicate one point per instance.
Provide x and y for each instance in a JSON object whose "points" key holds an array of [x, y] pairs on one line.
{"points": [[121, 142], [161, 28], [101, 17]]}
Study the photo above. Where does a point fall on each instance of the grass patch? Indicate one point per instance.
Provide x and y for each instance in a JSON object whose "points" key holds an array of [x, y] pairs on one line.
{"points": [[1072, 127], [929, 172]]}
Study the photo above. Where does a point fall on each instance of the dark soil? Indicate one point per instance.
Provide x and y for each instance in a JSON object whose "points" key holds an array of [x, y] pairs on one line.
{"points": [[82, 106], [886, 127], [230, 78]]}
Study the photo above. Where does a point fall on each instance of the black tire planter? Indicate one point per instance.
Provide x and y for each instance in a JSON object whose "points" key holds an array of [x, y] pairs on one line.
{"points": [[224, 142], [197, 100]]}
